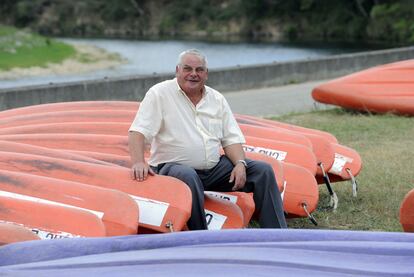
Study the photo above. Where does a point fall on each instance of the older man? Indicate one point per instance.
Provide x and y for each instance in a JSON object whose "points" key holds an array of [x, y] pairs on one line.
{"points": [[187, 123]]}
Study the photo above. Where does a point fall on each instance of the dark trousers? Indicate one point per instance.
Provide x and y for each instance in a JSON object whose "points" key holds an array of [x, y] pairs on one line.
{"points": [[260, 180]]}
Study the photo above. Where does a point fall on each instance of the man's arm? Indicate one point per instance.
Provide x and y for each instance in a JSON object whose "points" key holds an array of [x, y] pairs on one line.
{"points": [[140, 168], [235, 153]]}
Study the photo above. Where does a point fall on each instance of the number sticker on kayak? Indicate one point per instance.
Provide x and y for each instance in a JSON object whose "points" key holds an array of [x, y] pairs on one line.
{"points": [[339, 163], [42, 234], [151, 211], [214, 220], [224, 196], [278, 155], [55, 235]]}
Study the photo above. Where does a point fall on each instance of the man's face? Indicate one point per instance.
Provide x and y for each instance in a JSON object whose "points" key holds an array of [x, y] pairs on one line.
{"points": [[191, 74]]}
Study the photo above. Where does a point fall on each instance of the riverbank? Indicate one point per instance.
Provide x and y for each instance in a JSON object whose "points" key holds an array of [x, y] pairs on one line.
{"points": [[134, 87], [87, 58]]}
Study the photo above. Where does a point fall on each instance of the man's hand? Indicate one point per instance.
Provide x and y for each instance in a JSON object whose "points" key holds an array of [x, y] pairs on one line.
{"points": [[140, 171], [238, 175]]}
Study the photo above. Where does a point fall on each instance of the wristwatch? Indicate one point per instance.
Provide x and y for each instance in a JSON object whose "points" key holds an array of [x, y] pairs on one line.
{"points": [[243, 162]]}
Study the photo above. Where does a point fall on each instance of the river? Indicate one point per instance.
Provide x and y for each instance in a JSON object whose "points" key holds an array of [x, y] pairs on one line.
{"points": [[149, 57]]}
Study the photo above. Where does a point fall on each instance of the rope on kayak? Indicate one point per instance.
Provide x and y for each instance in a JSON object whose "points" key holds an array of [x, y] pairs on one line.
{"points": [[354, 182], [170, 226], [311, 218], [333, 202]]}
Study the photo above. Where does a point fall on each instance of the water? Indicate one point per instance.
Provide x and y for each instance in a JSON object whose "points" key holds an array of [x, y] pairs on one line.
{"points": [[149, 57]]}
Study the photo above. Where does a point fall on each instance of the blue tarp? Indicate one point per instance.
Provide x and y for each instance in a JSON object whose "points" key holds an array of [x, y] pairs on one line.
{"points": [[248, 252]]}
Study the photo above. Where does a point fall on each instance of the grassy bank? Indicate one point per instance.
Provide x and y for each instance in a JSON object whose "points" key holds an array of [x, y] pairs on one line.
{"points": [[23, 49], [386, 146]]}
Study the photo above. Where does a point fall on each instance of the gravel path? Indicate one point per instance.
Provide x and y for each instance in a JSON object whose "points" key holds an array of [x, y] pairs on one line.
{"points": [[270, 101]]}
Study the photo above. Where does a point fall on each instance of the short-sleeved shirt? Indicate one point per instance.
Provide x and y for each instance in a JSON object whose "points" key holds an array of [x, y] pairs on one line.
{"points": [[181, 132]]}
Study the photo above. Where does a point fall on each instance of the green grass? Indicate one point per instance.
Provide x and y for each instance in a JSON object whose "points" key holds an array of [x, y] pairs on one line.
{"points": [[22, 49], [386, 146]]}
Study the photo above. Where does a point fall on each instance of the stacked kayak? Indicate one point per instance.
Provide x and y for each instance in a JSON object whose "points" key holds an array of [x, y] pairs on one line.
{"points": [[382, 89], [81, 149]]}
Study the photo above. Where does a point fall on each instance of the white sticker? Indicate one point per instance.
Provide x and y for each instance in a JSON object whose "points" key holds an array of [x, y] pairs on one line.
{"points": [[215, 221], [45, 201], [339, 163], [53, 235], [42, 234], [224, 196], [277, 154], [151, 211]]}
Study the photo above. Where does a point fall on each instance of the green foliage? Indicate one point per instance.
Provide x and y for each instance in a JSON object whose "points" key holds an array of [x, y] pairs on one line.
{"points": [[380, 20], [392, 21], [23, 49]]}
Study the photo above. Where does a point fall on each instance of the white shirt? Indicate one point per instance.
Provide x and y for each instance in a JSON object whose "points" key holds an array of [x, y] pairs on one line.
{"points": [[183, 133]]}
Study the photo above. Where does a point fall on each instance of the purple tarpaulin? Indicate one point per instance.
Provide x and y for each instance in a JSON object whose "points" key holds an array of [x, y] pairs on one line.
{"points": [[248, 252]]}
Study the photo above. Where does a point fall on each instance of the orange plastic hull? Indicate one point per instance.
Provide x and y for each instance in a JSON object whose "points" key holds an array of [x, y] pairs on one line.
{"points": [[283, 151], [99, 128], [243, 200], [11, 146], [10, 232], [51, 221], [222, 214], [320, 145], [72, 106], [299, 129], [380, 89], [159, 204], [347, 160], [274, 133], [109, 144], [407, 212], [118, 145], [68, 116], [300, 188], [118, 219]]}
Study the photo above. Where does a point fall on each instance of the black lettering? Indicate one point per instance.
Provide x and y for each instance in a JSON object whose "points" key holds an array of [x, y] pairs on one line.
{"points": [[209, 218]]}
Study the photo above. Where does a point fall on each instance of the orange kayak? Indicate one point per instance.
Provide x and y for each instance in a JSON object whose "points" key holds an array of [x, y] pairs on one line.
{"points": [[299, 129], [243, 200], [222, 214], [11, 232], [110, 144], [50, 221], [321, 147], [407, 212], [347, 165], [99, 128], [380, 89], [11, 146], [283, 151], [301, 189], [68, 116], [71, 106], [159, 204], [118, 219], [118, 145], [274, 133], [302, 185]]}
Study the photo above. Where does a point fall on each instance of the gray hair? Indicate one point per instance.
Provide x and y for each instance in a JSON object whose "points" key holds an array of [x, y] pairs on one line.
{"points": [[192, 52]]}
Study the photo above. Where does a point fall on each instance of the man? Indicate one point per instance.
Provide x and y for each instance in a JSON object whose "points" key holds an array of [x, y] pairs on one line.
{"points": [[187, 123]]}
